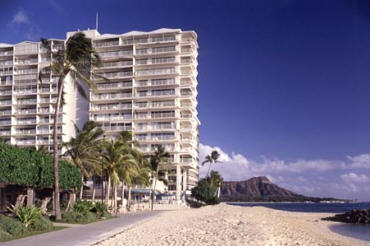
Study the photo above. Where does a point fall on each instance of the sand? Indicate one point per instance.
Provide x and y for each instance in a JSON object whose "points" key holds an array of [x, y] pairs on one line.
{"points": [[232, 225]]}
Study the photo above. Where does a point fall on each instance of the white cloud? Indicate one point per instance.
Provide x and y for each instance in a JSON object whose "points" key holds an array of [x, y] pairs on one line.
{"points": [[20, 18], [355, 178], [318, 177]]}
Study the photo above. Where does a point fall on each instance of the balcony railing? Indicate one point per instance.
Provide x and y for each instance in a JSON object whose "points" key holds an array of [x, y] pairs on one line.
{"points": [[25, 122], [22, 102], [111, 96], [113, 85], [25, 132], [7, 102], [29, 111], [26, 62], [5, 112], [26, 142], [4, 133], [115, 54], [5, 122], [156, 72], [6, 53], [111, 107], [114, 75], [106, 44], [116, 128], [115, 64], [112, 118], [25, 92], [6, 72]]}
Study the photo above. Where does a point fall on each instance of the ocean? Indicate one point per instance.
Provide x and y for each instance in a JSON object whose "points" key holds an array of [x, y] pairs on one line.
{"points": [[361, 232]]}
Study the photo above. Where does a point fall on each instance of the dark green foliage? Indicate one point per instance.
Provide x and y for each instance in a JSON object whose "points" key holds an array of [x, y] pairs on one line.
{"points": [[80, 218], [83, 206], [205, 192], [100, 209], [11, 225], [4, 236], [34, 169], [41, 224], [195, 204]]}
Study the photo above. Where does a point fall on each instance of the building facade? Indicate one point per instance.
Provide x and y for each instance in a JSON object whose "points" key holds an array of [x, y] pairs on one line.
{"points": [[147, 84]]}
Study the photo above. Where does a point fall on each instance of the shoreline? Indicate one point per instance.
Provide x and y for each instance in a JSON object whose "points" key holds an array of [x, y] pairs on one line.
{"points": [[233, 225]]}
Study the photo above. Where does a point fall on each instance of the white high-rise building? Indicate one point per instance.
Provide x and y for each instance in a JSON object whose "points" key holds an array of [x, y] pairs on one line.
{"points": [[147, 85]]}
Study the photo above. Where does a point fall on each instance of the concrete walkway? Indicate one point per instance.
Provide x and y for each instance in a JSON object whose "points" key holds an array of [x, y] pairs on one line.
{"points": [[84, 234]]}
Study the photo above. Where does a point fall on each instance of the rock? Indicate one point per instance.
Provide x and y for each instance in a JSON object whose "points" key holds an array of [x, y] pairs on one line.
{"points": [[355, 216]]}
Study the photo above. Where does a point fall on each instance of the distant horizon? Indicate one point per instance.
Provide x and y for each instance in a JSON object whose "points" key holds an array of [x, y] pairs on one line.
{"points": [[283, 85]]}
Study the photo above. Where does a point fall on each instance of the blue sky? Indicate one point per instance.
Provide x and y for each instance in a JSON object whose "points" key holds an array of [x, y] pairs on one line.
{"points": [[283, 84]]}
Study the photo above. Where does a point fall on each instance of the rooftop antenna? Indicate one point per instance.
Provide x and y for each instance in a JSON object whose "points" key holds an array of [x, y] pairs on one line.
{"points": [[97, 21]]}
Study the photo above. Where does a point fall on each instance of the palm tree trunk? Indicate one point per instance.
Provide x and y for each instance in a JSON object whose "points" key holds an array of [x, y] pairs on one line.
{"points": [[153, 192], [115, 198], [93, 191], [58, 214], [129, 198], [82, 187], [209, 168], [107, 192], [123, 198]]}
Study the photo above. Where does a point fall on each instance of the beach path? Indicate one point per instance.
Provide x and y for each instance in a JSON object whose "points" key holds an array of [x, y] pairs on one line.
{"points": [[84, 234]]}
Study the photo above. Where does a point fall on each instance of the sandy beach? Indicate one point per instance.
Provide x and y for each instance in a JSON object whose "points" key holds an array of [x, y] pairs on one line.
{"points": [[232, 225]]}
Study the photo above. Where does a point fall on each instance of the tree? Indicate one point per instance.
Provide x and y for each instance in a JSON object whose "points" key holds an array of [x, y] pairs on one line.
{"points": [[83, 149], [216, 181], [75, 60], [159, 157], [119, 164], [204, 192], [212, 158]]}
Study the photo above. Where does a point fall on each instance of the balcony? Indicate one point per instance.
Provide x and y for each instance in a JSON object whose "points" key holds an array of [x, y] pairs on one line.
{"points": [[162, 115], [113, 118], [27, 111], [5, 112], [4, 133], [186, 160], [113, 86], [7, 102], [6, 72], [6, 82], [115, 64], [113, 54], [26, 142], [25, 92], [26, 122], [5, 122], [25, 132], [26, 62], [151, 72], [111, 96], [106, 44], [26, 82], [111, 107], [6, 53], [25, 102], [116, 128], [6, 93], [114, 75]]}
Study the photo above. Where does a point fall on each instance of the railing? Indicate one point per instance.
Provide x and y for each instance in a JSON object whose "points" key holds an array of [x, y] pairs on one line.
{"points": [[32, 111], [156, 71], [186, 160], [6, 53], [115, 53], [24, 122], [114, 75], [141, 116], [5, 122], [186, 93], [22, 102], [25, 81], [112, 118], [163, 104], [25, 132], [6, 92], [116, 64], [26, 62], [8, 102], [163, 137], [3, 133], [106, 44], [4, 73], [28, 142], [6, 63], [111, 96], [162, 115], [6, 112], [23, 92], [116, 128], [6, 82], [113, 85], [111, 107], [163, 81]]}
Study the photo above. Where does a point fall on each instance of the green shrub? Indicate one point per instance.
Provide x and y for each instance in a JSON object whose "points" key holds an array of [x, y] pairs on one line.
{"points": [[27, 214], [205, 192], [100, 209], [83, 206], [11, 225], [76, 217], [41, 224], [4, 236]]}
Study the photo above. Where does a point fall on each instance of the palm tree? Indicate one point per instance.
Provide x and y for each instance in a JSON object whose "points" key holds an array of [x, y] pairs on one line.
{"points": [[212, 158], [83, 150], [76, 60], [216, 180], [159, 157], [119, 164]]}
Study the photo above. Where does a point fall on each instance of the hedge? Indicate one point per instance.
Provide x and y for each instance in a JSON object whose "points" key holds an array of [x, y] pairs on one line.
{"points": [[33, 168]]}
